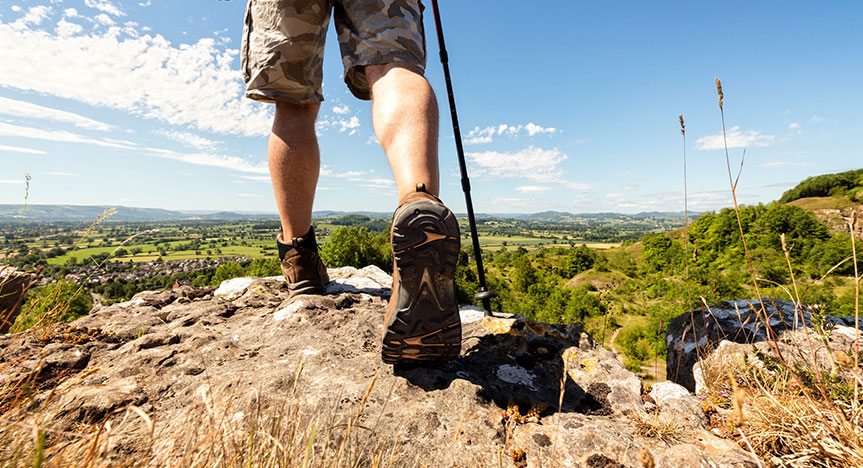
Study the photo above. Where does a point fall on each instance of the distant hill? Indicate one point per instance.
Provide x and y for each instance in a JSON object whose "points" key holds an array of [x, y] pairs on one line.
{"points": [[848, 184], [43, 213], [123, 213]]}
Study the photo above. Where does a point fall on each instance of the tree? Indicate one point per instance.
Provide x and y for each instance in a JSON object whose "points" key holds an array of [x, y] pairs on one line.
{"points": [[227, 271], [357, 247], [263, 267], [578, 259]]}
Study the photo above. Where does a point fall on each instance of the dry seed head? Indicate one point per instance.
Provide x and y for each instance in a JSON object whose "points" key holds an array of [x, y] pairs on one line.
{"points": [[646, 458], [736, 418], [843, 359], [719, 91], [682, 126]]}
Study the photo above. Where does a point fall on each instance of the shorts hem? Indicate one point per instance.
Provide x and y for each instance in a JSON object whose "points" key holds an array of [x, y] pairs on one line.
{"points": [[273, 97], [356, 80]]}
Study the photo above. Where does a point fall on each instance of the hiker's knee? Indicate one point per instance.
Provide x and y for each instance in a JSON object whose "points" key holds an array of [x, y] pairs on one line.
{"points": [[296, 114]]}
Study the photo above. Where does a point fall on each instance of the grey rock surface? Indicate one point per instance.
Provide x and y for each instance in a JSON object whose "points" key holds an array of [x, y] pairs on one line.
{"points": [[739, 322], [191, 358]]}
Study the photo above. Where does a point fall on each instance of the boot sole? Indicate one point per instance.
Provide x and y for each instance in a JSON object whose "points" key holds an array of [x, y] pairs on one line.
{"points": [[425, 325]]}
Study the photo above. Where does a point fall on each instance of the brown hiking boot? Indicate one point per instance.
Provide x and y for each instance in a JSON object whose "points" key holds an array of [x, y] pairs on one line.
{"points": [[422, 321], [302, 266]]}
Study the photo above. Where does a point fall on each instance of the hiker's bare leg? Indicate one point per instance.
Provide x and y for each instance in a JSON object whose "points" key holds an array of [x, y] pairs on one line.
{"points": [[405, 119], [294, 165]]}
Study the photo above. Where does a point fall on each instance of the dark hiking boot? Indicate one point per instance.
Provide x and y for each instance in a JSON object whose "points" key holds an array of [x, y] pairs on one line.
{"points": [[302, 266], [422, 321]]}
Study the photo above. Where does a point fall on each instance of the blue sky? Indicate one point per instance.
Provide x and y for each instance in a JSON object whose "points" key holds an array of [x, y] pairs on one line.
{"points": [[564, 105]]}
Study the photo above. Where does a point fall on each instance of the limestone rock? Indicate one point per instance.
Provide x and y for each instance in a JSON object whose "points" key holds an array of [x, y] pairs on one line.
{"points": [[739, 322], [196, 361]]}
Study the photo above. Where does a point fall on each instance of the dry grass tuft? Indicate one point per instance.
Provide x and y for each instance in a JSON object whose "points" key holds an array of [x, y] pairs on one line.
{"points": [[663, 426]]}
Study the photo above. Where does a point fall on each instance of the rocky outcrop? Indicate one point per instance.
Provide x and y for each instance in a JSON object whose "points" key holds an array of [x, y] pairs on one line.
{"points": [[741, 322], [13, 286], [165, 371]]}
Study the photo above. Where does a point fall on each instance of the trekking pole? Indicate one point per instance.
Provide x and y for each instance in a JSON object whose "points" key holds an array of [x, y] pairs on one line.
{"points": [[484, 294]]}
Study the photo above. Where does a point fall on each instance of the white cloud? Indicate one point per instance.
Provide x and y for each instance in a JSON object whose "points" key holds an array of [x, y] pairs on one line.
{"points": [[67, 28], [736, 139], [630, 187], [486, 135], [614, 195], [9, 181], [816, 119], [60, 136], [340, 123], [248, 195], [106, 6], [533, 129], [70, 13], [16, 8], [189, 84], [794, 126], [26, 109], [18, 149], [531, 163], [104, 19], [532, 188], [34, 16], [189, 139], [783, 164], [342, 110]]}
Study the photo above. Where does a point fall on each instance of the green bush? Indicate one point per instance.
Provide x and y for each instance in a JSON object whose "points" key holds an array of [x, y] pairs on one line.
{"points": [[357, 247], [263, 267], [61, 301], [227, 271]]}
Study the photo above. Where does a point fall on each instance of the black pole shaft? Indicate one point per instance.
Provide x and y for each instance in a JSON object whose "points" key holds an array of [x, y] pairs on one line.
{"points": [[465, 181]]}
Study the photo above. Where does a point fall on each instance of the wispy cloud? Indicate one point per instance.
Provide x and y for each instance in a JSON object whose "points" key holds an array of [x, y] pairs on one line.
{"points": [[29, 110], [533, 188], [736, 139], [60, 135], [18, 149], [486, 135], [213, 160], [783, 164], [11, 181], [189, 139]]}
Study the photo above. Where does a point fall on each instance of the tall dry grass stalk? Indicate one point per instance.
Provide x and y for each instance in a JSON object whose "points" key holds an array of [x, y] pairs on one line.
{"points": [[733, 182], [852, 227]]}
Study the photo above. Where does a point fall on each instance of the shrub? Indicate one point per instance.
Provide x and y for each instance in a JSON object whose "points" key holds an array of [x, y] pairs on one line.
{"points": [[57, 302], [357, 247]]}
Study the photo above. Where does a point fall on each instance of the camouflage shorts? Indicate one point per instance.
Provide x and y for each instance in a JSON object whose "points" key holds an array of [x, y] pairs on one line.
{"points": [[283, 44]]}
